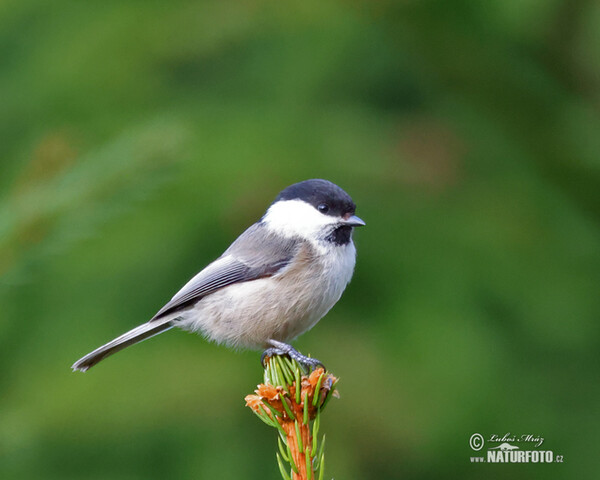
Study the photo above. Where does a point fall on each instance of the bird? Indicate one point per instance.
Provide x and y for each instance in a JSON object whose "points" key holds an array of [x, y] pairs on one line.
{"points": [[274, 282]]}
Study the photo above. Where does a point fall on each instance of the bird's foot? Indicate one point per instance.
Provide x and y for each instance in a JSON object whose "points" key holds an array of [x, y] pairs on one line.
{"points": [[280, 348]]}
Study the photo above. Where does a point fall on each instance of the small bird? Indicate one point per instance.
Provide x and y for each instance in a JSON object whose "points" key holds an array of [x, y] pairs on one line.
{"points": [[275, 281]]}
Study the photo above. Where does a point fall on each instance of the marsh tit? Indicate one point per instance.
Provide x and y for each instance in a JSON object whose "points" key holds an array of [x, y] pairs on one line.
{"points": [[275, 282]]}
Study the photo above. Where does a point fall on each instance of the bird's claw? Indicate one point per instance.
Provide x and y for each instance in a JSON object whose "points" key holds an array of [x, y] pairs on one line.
{"points": [[281, 348]]}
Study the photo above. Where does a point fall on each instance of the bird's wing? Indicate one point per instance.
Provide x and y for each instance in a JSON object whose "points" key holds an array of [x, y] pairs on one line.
{"points": [[255, 254]]}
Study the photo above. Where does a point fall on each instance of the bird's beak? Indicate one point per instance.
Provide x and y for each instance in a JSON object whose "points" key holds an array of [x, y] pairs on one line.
{"points": [[353, 221]]}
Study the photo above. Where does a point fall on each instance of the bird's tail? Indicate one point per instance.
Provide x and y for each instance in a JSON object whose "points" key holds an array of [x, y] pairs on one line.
{"points": [[136, 335]]}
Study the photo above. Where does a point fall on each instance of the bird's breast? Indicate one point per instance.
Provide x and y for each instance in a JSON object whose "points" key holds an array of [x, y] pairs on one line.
{"points": [[281, 307]]}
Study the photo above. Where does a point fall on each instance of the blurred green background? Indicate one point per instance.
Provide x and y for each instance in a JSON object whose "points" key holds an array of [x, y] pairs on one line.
{"points": [[139, 138]]}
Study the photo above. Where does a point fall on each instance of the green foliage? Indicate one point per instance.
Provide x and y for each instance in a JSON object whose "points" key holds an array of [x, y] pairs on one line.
{"points": [[291, 401], [140, 138]]}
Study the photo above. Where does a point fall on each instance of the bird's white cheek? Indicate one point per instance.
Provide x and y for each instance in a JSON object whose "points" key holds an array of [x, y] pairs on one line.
{"points": [[296, 218]]}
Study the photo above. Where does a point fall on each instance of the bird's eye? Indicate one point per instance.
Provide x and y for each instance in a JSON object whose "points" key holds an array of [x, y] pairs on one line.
{"points": [[323, 208]]}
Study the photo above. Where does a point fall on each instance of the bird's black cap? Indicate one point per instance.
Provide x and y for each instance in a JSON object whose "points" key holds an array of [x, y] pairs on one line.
{"points": [[318, 192]]}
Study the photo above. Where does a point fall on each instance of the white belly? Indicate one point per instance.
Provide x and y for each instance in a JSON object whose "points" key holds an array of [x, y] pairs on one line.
{"points": [[281, 307]]}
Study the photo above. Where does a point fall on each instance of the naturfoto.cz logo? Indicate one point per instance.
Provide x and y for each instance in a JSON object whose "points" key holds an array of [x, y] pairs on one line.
{"points": [[510, 448]]}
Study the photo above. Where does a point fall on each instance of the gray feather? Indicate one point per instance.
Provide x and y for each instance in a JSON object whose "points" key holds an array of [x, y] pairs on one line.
{"points": [[136, 335], [257, 253]]}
